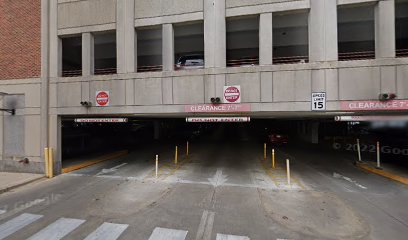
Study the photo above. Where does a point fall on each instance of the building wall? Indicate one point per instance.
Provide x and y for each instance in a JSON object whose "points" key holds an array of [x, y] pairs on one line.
{"points": [[20, 39]]}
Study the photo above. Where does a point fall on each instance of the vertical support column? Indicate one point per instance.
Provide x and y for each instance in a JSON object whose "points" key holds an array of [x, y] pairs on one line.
{"points": [[168, 47], [55, 68], [88, 58], [125, 36], [265, 39], [215, 34], [385, 29], [156, 127], [55, 142], [323, 31]]}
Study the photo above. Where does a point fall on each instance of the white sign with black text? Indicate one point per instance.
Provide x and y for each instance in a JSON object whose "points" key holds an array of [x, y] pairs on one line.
{"points": [[319, 101]]}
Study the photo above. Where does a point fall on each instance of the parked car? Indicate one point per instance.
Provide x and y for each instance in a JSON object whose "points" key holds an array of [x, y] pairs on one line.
{"points": [[190, 62], [276, 138]]}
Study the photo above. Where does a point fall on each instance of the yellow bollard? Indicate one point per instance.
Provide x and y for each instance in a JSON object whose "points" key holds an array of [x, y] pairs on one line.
{"points": [[176, 156], [46, 162], [264, 151], [51, 162], [273, 158], [157, 165], [288, 170], [187, 149]]}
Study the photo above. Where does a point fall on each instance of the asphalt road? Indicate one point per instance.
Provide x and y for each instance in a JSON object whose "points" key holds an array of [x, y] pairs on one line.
{"points": [[224, 190]]}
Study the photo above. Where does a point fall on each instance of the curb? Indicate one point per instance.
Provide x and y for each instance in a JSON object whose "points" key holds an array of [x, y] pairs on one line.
{"points": [[7, 189], [383, 173], [91, 162]]}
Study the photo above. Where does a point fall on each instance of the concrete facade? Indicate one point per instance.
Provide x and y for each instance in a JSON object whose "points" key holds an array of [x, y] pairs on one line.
{"points": [[272, 90]]}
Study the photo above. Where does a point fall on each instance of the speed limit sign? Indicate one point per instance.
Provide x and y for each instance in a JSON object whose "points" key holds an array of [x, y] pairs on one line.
{"points": [[319, 101]]}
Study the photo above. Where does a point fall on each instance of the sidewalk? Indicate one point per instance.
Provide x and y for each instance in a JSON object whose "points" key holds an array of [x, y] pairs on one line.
{"points": [[9, 181], [388, 170]]}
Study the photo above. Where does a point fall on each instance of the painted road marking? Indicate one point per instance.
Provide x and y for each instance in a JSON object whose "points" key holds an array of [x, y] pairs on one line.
{"points": [[231, 237], [111, 170], [107, 231], [2, 211], [336, 175], [58, 229], [168, 234], [218, 179], [17, 223], [206, 225]]}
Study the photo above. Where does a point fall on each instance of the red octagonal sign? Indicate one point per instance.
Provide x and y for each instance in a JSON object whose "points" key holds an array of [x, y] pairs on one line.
{"points": [[102, 98], [232, 94]]}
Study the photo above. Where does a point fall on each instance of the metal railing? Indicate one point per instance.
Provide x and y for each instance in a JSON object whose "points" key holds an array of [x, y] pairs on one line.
{"points": [[72, 73], [402, 52], [157, 68], [243, 62], [291, 60], [356, 56], [105, 71]]}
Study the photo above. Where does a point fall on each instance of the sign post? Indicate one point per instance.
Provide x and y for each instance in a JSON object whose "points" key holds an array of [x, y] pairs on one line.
{"points": [[319, 101]]}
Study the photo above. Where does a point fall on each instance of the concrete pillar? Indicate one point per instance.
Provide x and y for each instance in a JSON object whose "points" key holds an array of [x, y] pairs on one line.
{"points": [[55, 43], [125, 36], [385, 29], [88, 58], [156, 130], [215, 34], [265, 39], [323, 44], [55, 142], [168, 47]]}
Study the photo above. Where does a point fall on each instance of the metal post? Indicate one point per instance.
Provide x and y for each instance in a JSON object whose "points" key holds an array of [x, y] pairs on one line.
{"points": [[46, 162], [176, 156], [187, 149], [51, 162], [288, 170], [157, 165], [358, 150], [378, 156], [273, 158], [264, 151]]}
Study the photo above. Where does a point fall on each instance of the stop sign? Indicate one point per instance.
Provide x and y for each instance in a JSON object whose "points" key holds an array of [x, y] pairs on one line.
{"points": [[232, 94], [102, 98]]}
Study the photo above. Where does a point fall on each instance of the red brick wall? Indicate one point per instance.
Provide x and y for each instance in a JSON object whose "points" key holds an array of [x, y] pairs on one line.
{"points": [[20, 39]]}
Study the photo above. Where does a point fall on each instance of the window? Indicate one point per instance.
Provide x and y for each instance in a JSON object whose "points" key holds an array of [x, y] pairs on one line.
{"points": [[243, 41], [290, 38], [71, 56], [401, 28], [356, 32], [149, 49], [189, 46], [105, 53]]}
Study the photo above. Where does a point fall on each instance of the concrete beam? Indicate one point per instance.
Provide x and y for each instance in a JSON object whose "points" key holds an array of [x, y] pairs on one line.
{"points": [[215, 34], [323, 31], [88, 58], [385, 29], [168, 47], [265, 39]]}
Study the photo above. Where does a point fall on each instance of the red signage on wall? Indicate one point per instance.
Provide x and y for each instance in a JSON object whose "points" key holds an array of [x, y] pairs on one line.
{"points": [[232, 94], [217, 108], [374, 105], [102, 98]]}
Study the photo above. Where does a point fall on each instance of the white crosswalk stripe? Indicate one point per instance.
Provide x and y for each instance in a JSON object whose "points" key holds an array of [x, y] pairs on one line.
{"points": [[58, 229], [17, 223], [168, 234], [231, 237], [107, 231]]}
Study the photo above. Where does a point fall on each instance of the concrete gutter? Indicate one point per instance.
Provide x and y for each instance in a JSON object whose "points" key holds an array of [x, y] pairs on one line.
{"points": [[10, 181], [383, 173]]}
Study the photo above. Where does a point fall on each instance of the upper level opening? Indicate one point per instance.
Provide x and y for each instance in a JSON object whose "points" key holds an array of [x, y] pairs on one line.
{"points": [[401, 27], [243, 41], [189, 45], [71, 56], [290, 37], [356, 32], [149, 49], [105, 53]]}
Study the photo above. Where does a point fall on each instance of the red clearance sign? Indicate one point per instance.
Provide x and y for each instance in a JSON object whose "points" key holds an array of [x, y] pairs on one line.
{"points": [[374, 105], [217, 108], [102, 98]]}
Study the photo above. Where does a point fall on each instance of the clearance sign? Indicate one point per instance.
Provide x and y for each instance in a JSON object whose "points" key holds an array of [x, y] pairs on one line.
{"points": [[392, 105]]}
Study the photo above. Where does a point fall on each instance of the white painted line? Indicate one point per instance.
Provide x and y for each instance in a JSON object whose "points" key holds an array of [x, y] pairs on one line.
{"points": [[336, 175], [107, 231], [168, 234], [17, 223], [111, 170], [231, 237], [218, 179], [206, 226], [58, 229], [2, 211]]}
